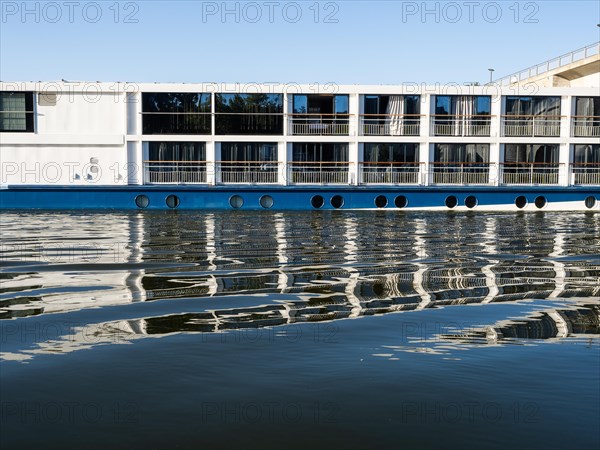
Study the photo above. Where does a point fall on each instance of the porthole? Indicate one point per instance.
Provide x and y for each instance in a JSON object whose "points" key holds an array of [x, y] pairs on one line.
{"points": [[521, 202], [401, 201], [266, 201], [172, 201], [471, 202], [381, 201], [337, 201], [236, 201], [317, 201], [451, 201], [540, 202], [590, 202], [142, 201]]}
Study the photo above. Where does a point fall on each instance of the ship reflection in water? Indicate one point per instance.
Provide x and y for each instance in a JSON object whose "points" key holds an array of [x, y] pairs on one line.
{"points": [[143, 274]]}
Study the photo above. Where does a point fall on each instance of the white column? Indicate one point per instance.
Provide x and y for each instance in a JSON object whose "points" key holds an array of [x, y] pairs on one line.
{"points": [[135, 162], [353, 160], [210, 162], [282, 157], [424, 146], [135, 166], [564, 153]]}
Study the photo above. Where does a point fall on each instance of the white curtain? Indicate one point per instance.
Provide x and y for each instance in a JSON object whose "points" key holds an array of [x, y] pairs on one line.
{"points": [[585, 108], [463, 108], [394, 112]]}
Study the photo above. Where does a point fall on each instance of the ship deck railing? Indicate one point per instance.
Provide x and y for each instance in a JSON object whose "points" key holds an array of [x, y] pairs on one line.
{"points": [[319, 172], [585, 173], [530, 173], [390, 173], [247, 172], [390, 124], [460, 125], [174, 172], [460, 173], [319, 124], [531, 126], [585, 126]]}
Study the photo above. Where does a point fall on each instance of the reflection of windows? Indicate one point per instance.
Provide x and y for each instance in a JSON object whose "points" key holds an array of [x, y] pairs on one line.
{"points": [[175, 113], [462, 153], [478, 105], [320, 152], [531, 153], [391, 153], [249, 114], [587, 154], [587, 107], [16, 112], [177, 151], [320, 104], [532, 106], [248, 151]]}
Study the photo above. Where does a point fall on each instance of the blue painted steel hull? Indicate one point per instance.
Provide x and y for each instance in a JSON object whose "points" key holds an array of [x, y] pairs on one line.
{"points": [[288, 198]]}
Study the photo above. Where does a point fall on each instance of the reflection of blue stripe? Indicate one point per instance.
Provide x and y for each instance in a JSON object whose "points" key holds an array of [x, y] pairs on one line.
{"points": [[284, 198]]}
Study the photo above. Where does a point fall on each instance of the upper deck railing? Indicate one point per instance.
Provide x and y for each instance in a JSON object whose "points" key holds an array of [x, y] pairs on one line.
{"points": [[460, 125], [319, 124], [531, 126], [585, 126], [551, 64], [390, 124]]}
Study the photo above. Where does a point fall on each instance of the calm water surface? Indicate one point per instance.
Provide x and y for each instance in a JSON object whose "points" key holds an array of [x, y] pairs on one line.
{"points": [[300, 330]]}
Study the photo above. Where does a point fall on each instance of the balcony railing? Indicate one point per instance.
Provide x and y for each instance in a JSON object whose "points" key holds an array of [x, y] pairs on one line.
{"points": [[585, 126], [586, 173], [319, 124], [318, 173], [174, 172], [254, 172], [389, 173], [460, 173], [390, 124], [531, 126], [460, 125], [529, 173]]}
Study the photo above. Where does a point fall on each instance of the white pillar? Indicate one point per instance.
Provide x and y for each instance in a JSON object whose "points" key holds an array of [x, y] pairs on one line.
{"points": [[282, 157], [425, 149], [212, 155], [564, 157]]}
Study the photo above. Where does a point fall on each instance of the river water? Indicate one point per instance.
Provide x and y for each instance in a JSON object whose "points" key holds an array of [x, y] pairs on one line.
{"points": [[321, 329]]}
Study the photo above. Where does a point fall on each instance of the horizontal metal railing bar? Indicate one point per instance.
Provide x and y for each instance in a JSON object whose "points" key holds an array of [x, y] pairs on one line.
{"points": [[392, 115], [537, 116], [368, 163], [464, 115]]}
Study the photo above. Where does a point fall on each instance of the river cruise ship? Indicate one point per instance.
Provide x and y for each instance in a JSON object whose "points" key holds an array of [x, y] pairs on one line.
{"points": [[528, 142]]}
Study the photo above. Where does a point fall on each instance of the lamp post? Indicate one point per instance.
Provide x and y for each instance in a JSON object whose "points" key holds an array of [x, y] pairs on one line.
{"points": [[491, 75]]}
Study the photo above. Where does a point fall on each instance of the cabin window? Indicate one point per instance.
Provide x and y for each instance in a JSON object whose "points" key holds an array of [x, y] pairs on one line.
{"points": [[249, 114], [176, 113], [16, 112], [248, 162], [176, 162]]}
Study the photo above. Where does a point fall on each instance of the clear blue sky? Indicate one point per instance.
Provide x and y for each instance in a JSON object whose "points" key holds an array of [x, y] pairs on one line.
{"points": [[370, 42]]}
